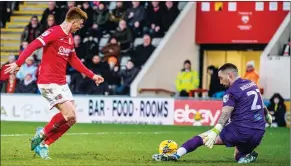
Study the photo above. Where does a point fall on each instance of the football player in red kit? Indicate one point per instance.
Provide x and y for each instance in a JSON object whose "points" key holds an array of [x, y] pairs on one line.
{"points": [[58, 50]]}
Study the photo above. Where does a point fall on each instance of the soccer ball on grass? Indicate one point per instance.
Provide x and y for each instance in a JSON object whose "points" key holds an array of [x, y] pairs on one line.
{"points": [[168, 147]]}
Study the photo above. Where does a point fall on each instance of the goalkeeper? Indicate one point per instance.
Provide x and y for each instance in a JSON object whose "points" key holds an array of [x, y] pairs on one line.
{"points": [[243, 106]]}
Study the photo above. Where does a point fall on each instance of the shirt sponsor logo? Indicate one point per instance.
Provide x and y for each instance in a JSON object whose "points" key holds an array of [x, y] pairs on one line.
{"points": [[64, 51]]}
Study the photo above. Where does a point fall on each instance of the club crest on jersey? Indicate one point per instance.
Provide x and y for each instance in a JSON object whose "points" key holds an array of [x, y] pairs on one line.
{"points": [[59, 97], [64, 51], [225, 98]]}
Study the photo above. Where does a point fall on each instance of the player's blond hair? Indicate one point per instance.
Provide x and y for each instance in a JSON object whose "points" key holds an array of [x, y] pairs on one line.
{"points": [[76, 13]]}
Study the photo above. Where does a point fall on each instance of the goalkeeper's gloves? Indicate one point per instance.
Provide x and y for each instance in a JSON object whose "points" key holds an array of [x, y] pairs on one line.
{"points": [[269, 119], [211, 135]]}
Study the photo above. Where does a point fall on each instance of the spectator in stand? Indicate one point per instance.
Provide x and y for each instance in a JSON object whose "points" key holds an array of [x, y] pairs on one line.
{"points": [[9, 85], [97, 66], [95, 4], [287, 48], [142, 52], [277, 109], [81, 49], [100, 20], [6, 9], [216, 90], [100, 68], [113, 79], [112, 62], [23, 45], [11, 59], [251, 74], [50, 23], [65, 9], [51, 10], [112, 49], [79, 83], [187, 80], [89, 22], [79, 4], [116, 15], [3, 12], [4, 77], [91, 44], [61, 4], [32, 30], [123, 36], [127, 76], [135, 16], [169, 14], [154, 20], [27, 68], [28, 85], [127, 4]]}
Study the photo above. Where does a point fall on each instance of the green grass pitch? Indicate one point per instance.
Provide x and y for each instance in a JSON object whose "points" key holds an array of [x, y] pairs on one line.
{"points": [[114, 144]]}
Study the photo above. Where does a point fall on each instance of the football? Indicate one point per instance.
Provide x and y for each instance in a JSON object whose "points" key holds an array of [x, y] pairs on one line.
{"points": [[168, 147]]}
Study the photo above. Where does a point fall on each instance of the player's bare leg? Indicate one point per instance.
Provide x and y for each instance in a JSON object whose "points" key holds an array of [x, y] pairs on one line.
{"points": [[66, 116]]}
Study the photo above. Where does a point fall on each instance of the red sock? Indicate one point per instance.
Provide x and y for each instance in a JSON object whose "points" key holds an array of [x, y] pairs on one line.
{"points": [[57, 121], [52, 137]]}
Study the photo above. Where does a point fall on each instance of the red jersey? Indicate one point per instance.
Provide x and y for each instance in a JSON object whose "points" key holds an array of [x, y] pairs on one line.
{"points": [[57, 52]]}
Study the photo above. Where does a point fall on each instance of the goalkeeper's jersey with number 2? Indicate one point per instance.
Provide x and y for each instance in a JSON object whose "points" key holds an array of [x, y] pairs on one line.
{"points": [[246, 99]]}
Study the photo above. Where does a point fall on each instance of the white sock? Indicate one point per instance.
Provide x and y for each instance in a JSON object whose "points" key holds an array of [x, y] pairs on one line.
{"points": [[41, 134], [181, 151], [44, 145]]}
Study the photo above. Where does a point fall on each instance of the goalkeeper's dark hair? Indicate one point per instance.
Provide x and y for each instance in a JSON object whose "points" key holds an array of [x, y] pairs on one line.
{"points": [[228, 66]]}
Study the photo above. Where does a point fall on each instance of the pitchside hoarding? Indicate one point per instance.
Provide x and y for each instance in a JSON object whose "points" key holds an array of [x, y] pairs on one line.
{"points": [[91, 109], [121, 110], [197, 112]]}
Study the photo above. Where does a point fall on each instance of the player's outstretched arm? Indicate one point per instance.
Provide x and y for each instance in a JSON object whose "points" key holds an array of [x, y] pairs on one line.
{"points": [[47, 37], [210, 137], [76, 63], [34, 45]]}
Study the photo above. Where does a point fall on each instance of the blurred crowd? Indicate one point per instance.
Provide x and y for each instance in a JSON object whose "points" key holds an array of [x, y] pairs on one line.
{"points": [[6, 9], [188, 79], [106, 43]]}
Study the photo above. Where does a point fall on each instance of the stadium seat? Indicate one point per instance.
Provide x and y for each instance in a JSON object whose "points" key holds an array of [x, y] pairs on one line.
{"points": [[124, 60], [138, 41], [103, 42], [112, 6], [181, 5], [156, 41]]}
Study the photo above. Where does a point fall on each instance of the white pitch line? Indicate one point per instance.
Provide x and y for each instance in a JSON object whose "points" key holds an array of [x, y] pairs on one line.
{"points": [[98, 133]]}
